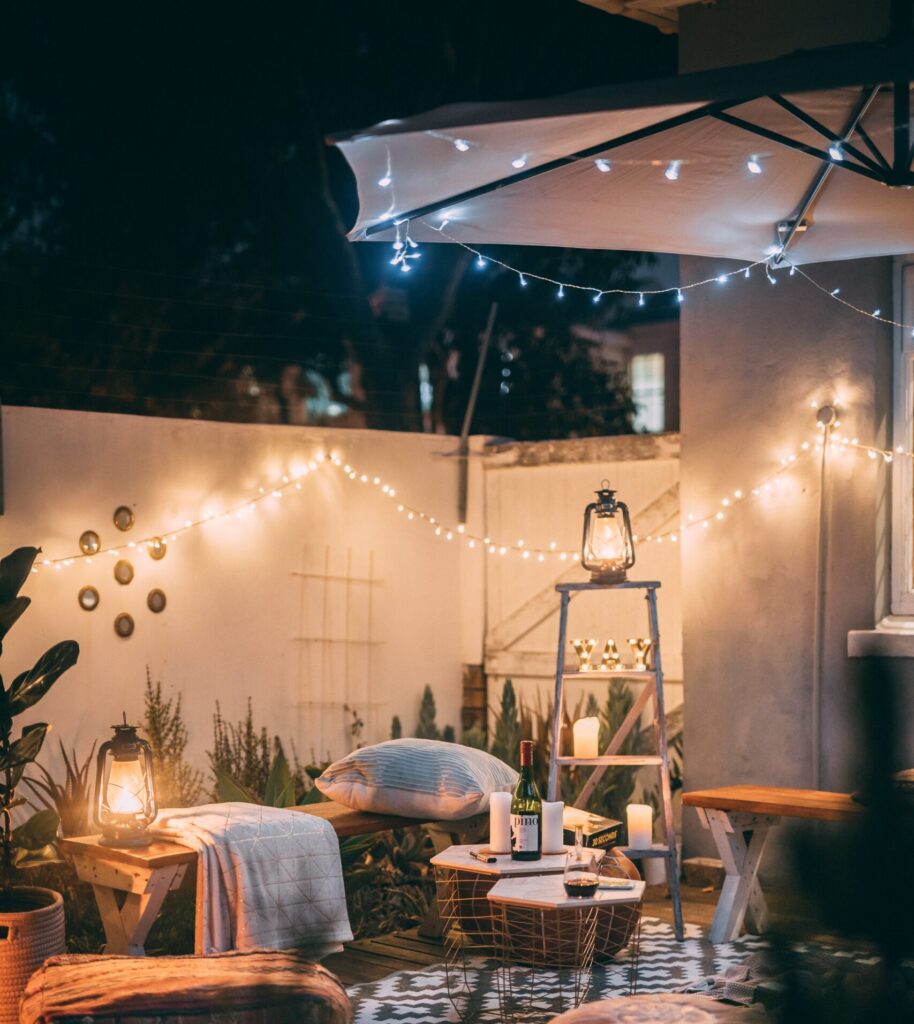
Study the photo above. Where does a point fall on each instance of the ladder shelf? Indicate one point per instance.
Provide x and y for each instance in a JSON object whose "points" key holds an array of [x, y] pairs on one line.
{"points": [[652, 693]]}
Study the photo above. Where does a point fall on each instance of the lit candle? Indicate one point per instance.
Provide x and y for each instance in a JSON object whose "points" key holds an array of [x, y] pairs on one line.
{"points": [[553, 831], [640, 826], [500, 822], [587, 737]]}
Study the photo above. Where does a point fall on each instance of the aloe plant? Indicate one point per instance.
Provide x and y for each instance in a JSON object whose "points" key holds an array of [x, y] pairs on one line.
{"points": [[23, 846]]}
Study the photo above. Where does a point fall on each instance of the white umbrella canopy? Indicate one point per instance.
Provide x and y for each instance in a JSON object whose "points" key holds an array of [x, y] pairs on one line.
{"points": [[811, 155]]}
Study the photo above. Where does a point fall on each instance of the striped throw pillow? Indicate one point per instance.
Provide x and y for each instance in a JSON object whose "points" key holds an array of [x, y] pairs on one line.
{"points": [[426, 779]]}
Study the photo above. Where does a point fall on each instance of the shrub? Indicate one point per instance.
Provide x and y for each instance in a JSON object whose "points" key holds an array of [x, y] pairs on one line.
{"points": [[178, 784]]}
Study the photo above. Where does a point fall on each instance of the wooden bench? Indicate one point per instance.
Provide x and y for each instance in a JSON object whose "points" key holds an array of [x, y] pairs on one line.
{"points": [[145, 875], [733, 812]]}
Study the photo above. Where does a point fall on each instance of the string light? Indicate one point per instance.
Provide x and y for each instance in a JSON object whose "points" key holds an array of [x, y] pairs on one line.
{"points": [[836, 152], [672, 170], [754, 165], [519, 162], [603, 165], [461, 145]]}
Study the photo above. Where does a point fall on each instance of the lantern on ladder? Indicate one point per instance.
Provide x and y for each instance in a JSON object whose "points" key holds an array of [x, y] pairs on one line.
{"points": [[607, 550], [125, 803]]}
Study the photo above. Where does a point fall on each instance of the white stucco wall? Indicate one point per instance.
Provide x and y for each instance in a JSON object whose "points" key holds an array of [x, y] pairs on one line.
{"points": [[236, 609], [754, 358]]}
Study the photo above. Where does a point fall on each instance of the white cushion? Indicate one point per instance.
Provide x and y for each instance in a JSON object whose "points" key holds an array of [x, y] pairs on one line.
{"points": [[426, 779]]}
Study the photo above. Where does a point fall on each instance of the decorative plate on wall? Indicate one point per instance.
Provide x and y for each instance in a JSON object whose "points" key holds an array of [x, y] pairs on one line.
{"points": [[123, 571], [156, 601], [124, 518], [88, 599], [123, 625], [89, 542], [156, 548]]}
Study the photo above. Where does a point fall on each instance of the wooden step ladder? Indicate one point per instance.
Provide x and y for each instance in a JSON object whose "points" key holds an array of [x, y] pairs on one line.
{"points": [[653, 688]]}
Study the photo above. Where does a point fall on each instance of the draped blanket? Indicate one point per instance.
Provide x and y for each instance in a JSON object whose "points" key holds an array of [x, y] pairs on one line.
{"points": [[269, 877]]}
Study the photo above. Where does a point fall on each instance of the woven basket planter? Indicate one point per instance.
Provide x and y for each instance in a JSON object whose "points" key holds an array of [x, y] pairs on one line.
{"points": [[27, 939], [532, 940]]}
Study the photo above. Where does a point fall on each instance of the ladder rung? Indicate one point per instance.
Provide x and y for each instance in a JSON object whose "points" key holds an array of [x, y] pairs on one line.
{"points": [[617, 760], [601, 674]]}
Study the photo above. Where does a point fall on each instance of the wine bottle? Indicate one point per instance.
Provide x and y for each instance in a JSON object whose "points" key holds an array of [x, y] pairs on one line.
{"points": [[526, 811]]}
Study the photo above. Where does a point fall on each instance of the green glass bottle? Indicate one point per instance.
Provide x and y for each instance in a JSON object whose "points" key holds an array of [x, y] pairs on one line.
{"points": [[526, 811]]}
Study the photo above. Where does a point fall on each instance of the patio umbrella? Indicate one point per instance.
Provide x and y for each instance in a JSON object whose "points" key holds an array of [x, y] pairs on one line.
{"points": [[809, 155]]}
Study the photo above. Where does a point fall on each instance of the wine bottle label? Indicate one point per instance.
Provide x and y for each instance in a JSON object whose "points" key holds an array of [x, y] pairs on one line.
{"points": [[525, 832]]}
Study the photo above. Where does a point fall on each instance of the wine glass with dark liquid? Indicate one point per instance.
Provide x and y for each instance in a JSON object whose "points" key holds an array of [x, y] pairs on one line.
{"points": [[581, 875]]}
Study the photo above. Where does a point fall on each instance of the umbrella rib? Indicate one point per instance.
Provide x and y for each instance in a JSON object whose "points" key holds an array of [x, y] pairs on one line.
{"points": [[820, 128], [783, 140], [873, 148], [551, 165]]}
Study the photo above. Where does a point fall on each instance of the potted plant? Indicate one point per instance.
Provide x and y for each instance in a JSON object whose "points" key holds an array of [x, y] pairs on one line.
{"points": [[31, 919]]}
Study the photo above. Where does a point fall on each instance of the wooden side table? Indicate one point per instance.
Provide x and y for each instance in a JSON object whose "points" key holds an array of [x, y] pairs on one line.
{"points": [[145, 875]]}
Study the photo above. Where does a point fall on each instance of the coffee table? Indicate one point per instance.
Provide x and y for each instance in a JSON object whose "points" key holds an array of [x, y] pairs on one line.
{"points": [[512, 922]]}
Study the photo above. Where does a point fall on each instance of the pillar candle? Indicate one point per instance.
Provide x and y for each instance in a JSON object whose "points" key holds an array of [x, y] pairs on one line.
{"points": [[500, 822], [587, 737], [640, 826], [553, 830]]}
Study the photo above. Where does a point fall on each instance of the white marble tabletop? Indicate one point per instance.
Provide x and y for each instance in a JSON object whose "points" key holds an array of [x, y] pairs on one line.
{"points": [[548, 892], [459, 857]]}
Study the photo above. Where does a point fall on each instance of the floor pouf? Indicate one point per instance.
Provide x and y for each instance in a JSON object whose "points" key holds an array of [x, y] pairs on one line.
{"points": [[265, 987], [672, 1009]]}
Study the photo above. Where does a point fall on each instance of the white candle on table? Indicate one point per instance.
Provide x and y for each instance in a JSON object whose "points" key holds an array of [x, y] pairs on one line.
{"points": [[553, 830], [500, 822], [587, 737], [640, 826]]}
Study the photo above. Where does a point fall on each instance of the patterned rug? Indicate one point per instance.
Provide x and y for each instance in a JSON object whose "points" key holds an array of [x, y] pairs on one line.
{"points": [[421, 997]]}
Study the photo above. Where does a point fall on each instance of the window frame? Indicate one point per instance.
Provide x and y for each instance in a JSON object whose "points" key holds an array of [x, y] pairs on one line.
{"points": [[902, 601]]}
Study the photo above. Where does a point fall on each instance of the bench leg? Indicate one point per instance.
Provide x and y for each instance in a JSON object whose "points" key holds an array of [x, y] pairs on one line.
{"points": [[741, 893], [127, 926]]}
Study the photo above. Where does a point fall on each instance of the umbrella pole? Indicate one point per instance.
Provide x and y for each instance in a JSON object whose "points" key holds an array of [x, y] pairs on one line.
{"points": [[464, 448]]}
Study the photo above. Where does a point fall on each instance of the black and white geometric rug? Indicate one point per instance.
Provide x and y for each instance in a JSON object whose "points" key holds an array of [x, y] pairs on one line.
{"points": [[421, 997]]}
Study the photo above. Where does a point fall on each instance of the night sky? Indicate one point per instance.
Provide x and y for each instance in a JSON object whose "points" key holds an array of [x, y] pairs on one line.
{"points": [[171, 225]]}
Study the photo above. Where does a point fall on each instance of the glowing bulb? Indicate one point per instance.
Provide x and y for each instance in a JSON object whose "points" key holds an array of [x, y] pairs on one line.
{"points": [[679, 296], [461, 145], [561, 291], [597, 297], [672, 171], [836, 291], [523, 281], [480, 262], [835, 151], [519, 162], [640, 298], [876, 312], [753, 165], [385, 181], [721, 278], [603, 165]]}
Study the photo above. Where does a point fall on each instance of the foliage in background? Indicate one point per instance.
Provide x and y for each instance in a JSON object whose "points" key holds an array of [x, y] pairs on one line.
{"points": [[240, 751], [427, 726], [356, 726], [70, 798], [396, 728], [29, 843], [178, 783]]}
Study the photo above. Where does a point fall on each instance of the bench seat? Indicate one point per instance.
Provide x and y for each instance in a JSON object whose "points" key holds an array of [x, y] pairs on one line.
{"points": [[777, 801]]}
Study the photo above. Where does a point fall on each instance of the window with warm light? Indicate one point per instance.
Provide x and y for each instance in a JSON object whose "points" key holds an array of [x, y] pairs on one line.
{"points": [[903, 436], [649, 392]]}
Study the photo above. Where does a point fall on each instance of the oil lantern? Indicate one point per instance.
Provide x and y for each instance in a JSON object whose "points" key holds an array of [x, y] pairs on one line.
{"points": [[125, 802], [607, 551]]}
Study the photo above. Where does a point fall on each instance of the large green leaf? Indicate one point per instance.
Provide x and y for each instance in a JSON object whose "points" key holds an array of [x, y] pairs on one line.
{"points": [[280, 787], [313, 796], [227, 789], [26, 748], [38, 831], [10, 612], [14, 571], [28, 688]]}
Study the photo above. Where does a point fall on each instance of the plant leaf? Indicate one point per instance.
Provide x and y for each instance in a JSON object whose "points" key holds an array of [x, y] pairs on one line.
{"points": [[26, 748], [227, 789], [280, 788], [28, 688], [10, 612], [26, 859], [313, 796], [38, 831], [14, 571]]}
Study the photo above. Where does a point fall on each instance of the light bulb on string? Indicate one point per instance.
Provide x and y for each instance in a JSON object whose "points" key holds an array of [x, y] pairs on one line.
{"points": [[480, 262], [603, 165], [461, 145], [519, 162], [385, 181], [523, 281], [561, 292], [754, 165], [679, 296], [836, 152], [672, 171], [597, 297], [721, 278]]}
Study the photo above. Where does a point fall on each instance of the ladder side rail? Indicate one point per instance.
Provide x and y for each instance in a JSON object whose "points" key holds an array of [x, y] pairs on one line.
{"points": [[663, 751], [558, 705]]}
